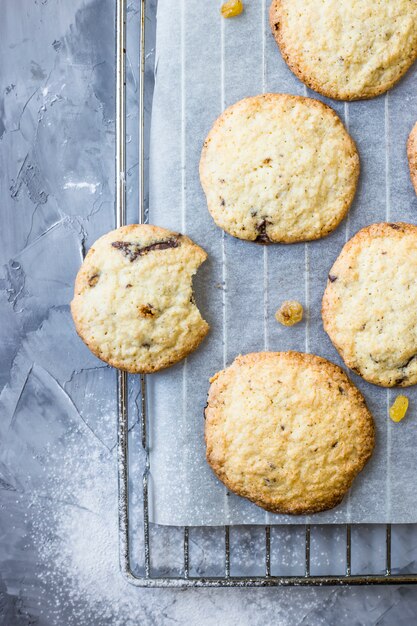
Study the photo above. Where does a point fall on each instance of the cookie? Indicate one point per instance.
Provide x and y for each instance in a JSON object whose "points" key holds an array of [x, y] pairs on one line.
{"points": [[346, 50], [288, 431], [369, 306], [412, 155], [279, 168], [133, 301]]}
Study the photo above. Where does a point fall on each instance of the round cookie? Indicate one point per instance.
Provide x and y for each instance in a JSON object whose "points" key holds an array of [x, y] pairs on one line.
{"points": [[412, 155], [346, 50], [369, 305], [133, 302], [279, 168], [286, 430]]}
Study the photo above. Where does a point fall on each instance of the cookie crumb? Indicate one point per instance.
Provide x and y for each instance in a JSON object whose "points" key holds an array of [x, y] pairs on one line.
{"points": [[399, 408], [232, 8], [289, 313]]}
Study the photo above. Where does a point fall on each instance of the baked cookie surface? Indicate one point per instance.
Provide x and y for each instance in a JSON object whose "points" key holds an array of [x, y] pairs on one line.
{"points": [[412, 155], [346, 50], [279, 168], [133, 302], [369, 305], [286, 430]]}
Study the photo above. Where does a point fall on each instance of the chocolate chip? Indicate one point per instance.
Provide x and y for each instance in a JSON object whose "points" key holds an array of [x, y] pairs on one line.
{"points": [[282, 427], [263, 236], [400, 380], [146, 345], [335, 444], [93, 280], [395, 226], [128, 285], [133, 250], [222, 202], [341, 390], [332, 278]]}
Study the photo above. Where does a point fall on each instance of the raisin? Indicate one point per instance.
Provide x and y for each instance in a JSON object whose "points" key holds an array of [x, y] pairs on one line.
{"points": [[399, 408], [289, 313], [93, 280], [231, 8], [332, 278]]}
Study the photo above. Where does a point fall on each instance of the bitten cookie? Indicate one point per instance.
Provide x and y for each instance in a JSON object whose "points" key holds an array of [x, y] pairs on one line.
{"points": [[286, 430], [346, 50], [412, 155], [133, 302], [279, 168], [369, 306]]}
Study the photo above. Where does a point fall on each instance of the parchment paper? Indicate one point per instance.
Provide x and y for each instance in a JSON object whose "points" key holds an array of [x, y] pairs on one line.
{"points": [[205, 63]]}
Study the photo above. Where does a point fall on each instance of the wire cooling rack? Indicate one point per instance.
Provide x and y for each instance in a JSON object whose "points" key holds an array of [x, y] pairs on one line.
{"points": [[260, 567]]}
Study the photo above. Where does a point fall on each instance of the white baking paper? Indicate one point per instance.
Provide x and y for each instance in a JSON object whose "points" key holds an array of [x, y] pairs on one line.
{"points": [[205, 63]]}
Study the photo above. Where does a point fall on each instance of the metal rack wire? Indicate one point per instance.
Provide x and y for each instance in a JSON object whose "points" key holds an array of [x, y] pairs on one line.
{"points": [[151, 578]]}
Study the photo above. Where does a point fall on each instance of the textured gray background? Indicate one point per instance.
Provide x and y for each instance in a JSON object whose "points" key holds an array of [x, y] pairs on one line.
{"points": [[58, 514]]}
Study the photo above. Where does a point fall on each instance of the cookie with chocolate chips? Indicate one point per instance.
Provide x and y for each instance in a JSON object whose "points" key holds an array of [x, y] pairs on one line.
{"points": [[369, 305], [288, 431], [279, 168], [133, 300], [347, 50]]}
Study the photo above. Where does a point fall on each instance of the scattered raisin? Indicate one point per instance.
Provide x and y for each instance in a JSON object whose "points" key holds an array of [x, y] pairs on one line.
{"points": [[332, 278], [231, 8], [289, 313], [399, 408]]}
